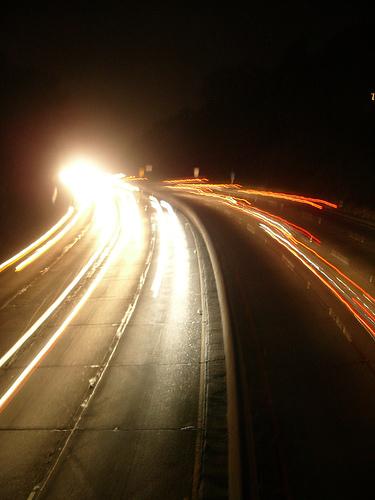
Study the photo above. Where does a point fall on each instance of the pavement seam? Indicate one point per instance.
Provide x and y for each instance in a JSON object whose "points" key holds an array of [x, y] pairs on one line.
{"points": [[39, 489]]}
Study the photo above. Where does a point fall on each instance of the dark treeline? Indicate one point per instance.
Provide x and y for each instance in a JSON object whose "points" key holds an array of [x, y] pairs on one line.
{"points": [[305, 125], [31, 121], [31, 106]]}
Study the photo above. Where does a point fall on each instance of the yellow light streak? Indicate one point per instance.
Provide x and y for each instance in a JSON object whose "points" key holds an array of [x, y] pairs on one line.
{"points": [[107, 253], [50, 309], [53, 339], [50, 243], [106, 227], [37, 242]]}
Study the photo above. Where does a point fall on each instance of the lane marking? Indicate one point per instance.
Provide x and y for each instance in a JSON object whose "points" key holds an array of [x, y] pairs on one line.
{"points": [[250, 228], [288, 262], [340, 257]]}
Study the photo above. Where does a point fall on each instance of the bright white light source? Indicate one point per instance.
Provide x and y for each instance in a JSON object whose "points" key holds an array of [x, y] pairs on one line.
{"points": [[85, 180]]}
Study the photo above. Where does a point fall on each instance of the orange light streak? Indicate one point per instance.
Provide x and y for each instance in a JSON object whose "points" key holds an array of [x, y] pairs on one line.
{"points": [[291, 243], [314, 202], [133, 178], [295, 252], [289, 223], [192, 180], [365, 309], [370, 297]]}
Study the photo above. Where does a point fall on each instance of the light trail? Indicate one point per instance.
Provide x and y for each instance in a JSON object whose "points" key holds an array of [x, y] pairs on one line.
{"points": [[50, 243], [133, 178], [329, 281], [181, 255], [202, 186], [105, 214], [302, 230], [5, 398], [38, 242], [163, 246], [107, 253], [280, 229], [192, 180], [170, 233], [245, 206], [314, 202], [51, 309]]}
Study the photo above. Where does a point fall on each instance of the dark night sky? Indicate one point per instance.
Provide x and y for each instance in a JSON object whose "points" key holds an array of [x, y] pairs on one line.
{"points": [[147, 62], [121, 69]]}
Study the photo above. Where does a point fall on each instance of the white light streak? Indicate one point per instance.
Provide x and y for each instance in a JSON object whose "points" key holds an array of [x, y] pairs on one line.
{"points": [[107, 254], [163, 247]]}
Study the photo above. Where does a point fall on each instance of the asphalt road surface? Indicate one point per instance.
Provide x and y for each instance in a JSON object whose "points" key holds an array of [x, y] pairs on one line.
{"points": [[108, 397], [305, 364], [113, 360]]}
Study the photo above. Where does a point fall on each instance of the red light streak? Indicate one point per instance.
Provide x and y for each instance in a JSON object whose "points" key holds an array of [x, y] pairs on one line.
{"points": [[291, 243], [369, 327]]}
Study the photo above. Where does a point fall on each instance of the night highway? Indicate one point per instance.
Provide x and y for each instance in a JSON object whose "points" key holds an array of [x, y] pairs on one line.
{"points": [[302, 320], [187, 251], [186, 339], [104, 353]]}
